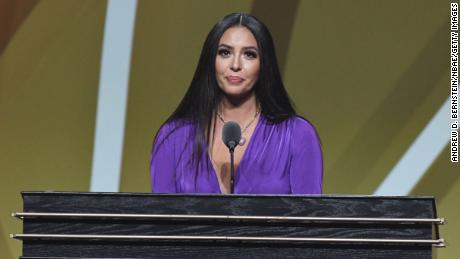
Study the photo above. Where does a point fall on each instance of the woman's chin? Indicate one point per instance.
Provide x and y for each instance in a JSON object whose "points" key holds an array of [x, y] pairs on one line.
{"points": [[238, 96]]}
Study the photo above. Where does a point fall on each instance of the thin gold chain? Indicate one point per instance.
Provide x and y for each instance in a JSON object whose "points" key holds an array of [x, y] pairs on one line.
{"points": [[247, 125]]}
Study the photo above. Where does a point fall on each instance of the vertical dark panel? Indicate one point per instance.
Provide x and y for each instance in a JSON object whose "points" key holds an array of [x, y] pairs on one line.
{"points": [[12, 14], [279, 16]]}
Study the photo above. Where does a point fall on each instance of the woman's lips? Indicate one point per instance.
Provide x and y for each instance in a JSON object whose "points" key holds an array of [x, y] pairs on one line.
{"points": [[234, 79]]}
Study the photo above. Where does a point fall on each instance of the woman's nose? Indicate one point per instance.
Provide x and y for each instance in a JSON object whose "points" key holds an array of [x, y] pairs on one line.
{"points": [[236, 65]]}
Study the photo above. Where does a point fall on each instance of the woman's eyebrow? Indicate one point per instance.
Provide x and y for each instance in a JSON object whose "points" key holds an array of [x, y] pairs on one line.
{"points": [[230, 47], [250, 48]]}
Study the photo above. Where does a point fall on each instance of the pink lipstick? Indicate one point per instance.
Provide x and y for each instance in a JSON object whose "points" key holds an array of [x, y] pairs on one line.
{"points": [[234, 79]]}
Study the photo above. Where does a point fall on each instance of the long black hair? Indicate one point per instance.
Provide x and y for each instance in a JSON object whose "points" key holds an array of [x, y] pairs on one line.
{"points": [[203, 95]]}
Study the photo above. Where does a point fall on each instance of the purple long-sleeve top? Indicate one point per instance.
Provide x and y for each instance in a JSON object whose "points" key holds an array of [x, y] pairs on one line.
{"points": [[282, 158]]}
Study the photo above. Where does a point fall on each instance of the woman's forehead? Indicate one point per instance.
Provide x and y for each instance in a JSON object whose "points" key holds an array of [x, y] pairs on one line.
{"points": [[238, 36]]}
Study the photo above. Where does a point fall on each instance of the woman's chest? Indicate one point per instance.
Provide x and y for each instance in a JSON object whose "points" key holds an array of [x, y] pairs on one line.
{"points": [[263, 167]]}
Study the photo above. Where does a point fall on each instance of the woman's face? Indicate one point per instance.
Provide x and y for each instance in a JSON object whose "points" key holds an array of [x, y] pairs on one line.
{"points": [[237, 62]]}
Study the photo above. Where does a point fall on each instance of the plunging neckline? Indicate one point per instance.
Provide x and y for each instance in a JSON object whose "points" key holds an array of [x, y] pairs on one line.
{"points": [[243, 157]]}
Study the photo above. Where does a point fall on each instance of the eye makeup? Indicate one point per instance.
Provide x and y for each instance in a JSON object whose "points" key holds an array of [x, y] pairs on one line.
{"points": [[225, 51]]}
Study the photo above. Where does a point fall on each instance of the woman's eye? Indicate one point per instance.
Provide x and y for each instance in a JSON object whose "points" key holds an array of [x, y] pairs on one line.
{"points": [[250, 54], [224, 52]]}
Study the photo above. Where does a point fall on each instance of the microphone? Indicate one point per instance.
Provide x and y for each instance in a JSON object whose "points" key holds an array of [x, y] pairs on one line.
{"points": [[231, 135]]}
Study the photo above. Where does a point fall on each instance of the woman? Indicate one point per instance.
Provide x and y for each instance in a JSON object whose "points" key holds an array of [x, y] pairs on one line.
{"points": [[237, 79]]}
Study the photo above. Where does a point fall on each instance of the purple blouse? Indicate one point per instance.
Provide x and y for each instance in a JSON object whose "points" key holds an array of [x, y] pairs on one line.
{"points": [[283, 158]]}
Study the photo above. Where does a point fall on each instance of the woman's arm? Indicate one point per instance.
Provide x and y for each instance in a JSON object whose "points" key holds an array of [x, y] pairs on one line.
{"points": [[162, 163], [306, 170]]}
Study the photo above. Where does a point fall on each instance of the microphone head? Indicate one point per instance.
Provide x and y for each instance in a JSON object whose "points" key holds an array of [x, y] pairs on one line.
{"points": [[231, 134]]}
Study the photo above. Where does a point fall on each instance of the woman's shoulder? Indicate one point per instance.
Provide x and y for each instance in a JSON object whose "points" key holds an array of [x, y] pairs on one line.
{"points": [[295, 124], [296, 127], [301, 123], [302, 128], [172, 129]]}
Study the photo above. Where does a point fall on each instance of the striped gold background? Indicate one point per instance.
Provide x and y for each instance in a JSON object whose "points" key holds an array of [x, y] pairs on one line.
{"points": [[369, 74]]}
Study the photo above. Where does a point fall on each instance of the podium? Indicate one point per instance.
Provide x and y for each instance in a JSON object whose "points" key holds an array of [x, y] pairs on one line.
{"points": [[138, 225]]}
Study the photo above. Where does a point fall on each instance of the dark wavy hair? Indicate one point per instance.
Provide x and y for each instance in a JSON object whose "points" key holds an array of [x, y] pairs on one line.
{"points": [[203, 95]]}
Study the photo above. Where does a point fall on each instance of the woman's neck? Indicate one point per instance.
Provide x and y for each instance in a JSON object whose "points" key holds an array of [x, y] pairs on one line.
{"points": [[240, 111]]}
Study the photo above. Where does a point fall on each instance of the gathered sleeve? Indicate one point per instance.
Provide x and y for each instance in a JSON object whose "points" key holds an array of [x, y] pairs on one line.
{"points": [[306, 167], [162, 163]]}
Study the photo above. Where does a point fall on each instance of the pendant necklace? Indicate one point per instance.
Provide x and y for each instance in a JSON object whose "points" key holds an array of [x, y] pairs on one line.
{"points": [[243, 139]]}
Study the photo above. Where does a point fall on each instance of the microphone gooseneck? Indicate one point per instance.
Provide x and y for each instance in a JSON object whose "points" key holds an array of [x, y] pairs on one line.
{"points": [[231, 135]]}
